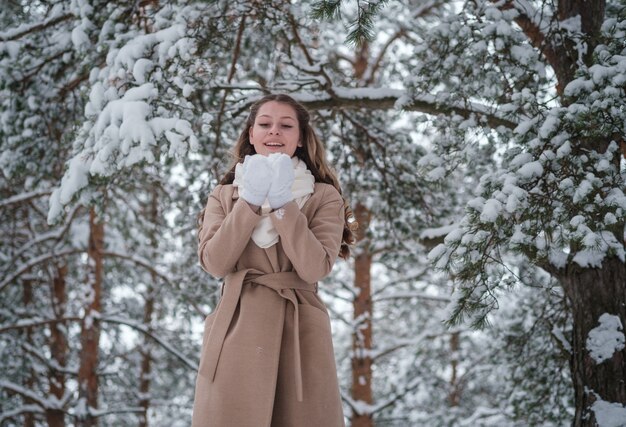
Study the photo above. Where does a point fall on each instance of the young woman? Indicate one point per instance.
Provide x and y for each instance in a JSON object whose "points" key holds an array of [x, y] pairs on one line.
{"points": [[272, 228]]}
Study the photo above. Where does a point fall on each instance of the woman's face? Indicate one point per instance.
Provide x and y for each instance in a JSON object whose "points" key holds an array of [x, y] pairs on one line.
{"points": [[275, 130]]}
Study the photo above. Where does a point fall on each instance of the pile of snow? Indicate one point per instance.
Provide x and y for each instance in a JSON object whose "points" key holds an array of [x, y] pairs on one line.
{"points": [[606, 339]]}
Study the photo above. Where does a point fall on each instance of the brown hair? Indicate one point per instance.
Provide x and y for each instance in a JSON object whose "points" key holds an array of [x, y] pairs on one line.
{"points": [[312, 153]]}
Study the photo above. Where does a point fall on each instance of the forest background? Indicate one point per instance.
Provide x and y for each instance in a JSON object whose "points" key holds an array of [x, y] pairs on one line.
{"points": [[480, 144]]}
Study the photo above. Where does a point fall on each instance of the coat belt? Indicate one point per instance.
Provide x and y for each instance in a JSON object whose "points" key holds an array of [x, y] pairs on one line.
{"points": [[284, 284]]}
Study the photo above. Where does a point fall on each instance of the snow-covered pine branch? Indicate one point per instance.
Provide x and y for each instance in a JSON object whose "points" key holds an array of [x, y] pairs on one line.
{"points": [[139, 107]]}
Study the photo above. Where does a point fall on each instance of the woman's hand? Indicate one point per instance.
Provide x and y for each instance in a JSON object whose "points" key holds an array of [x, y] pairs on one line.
{"points": [[257, 178], [282, 180]]}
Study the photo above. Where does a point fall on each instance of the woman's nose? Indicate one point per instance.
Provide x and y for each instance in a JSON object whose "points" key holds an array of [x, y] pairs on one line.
{"points": [[273, 130]]}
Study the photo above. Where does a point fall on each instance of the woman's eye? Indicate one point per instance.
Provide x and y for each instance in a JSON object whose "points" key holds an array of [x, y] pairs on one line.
{"points": [[287, 126], [263, 125]]}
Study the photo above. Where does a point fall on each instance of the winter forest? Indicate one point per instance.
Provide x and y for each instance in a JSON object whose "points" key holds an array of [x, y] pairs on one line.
{"points": [[480, 143]]}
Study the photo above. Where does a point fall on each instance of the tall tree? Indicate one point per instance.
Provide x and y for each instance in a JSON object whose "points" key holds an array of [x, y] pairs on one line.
{"points": [[90, 325]]}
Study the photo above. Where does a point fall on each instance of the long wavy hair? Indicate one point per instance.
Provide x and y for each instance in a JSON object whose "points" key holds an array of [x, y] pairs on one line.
{"points": [[312, 153]]}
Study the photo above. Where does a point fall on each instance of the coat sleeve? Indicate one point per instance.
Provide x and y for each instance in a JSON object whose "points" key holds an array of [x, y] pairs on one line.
{"points": [[223, 237], [312, 247]]}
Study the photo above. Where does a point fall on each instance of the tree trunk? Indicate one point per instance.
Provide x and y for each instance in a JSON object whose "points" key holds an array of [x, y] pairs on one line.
{"points": [[146, 358], [362, 336], [454, 397], [146, 348], [593, 292], [58, 347], [565, 54], [29, 378], [90, 326]]}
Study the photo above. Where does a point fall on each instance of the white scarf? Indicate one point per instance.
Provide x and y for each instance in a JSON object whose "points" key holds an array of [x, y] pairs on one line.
{"points": [[264, 234]]}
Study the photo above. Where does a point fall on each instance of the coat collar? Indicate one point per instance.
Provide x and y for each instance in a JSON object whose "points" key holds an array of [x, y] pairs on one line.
{"points": [[235, 194]]}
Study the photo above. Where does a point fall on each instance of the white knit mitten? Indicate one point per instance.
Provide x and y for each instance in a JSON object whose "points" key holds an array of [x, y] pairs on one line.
{"points": [[282, 180], [257, 178]]}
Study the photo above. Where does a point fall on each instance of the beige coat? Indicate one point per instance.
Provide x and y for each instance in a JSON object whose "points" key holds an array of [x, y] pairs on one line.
{"points": [[267, 354]]}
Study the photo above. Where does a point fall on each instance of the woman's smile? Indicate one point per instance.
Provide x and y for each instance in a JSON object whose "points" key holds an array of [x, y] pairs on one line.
{"points": [[275, 146]]}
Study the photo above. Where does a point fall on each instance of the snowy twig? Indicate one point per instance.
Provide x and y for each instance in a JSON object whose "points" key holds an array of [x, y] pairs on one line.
{"points": [[54, 234], [377, 354], [33, 262], [413, 294], [138, 326], [29, 394], [371, 71], [148, 265], [362, 408], [296, 34], [129, 409], [416, 382], [29, 323], [24, 409], [22, 30], [50, 362], [146, 331], [24, 197], [229, 78]]}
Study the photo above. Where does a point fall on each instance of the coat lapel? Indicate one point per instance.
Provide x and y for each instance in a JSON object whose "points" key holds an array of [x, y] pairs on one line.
{"points": [[272, 256], [271, 253]]}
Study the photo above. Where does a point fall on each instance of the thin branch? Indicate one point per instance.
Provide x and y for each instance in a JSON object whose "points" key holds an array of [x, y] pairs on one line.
{"points": [[142, 328], [34, 71], [100, 413], [379, 59], [137, 260], [412, 294], [29, 394], [33, 262], [50, 362], [328, 85], [149, 266], [23, 323], [231, 73], [135, 325], [17, 33], [555, 57], [24, 197], [339, 55], [375, 355], [73, 84], [56, 234], [24, 409], [417, 381], [296, 34]]}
